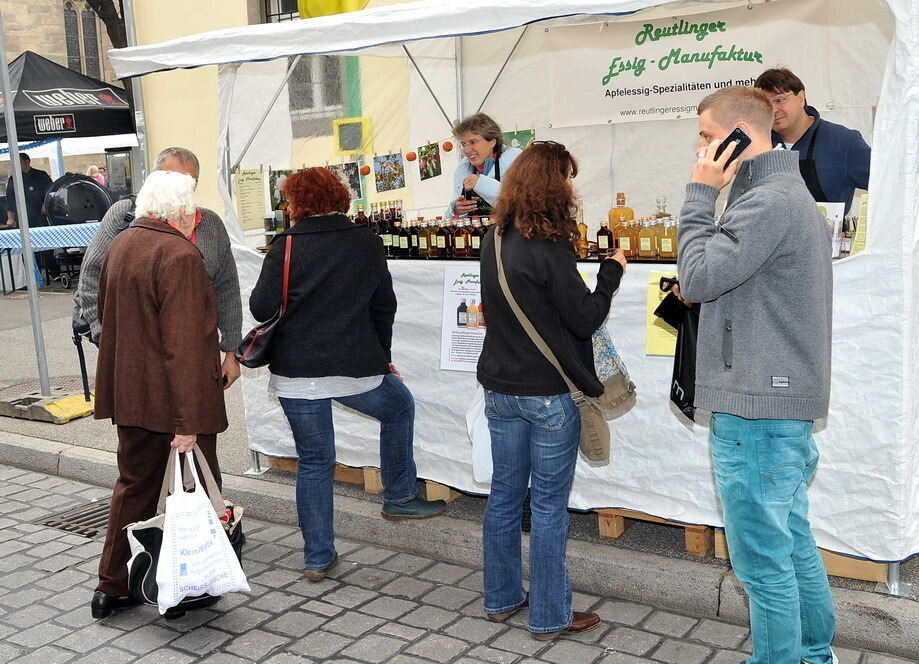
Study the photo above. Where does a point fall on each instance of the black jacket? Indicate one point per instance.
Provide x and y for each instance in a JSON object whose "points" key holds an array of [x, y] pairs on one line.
{"points": [[543, 277], [340, 303]]}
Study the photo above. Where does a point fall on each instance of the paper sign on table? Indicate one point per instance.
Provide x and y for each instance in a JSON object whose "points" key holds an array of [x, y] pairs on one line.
{"points": [[463, 319]]}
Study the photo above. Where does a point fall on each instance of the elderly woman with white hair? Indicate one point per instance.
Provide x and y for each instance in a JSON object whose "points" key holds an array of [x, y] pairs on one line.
{"points": [[158, 373]]}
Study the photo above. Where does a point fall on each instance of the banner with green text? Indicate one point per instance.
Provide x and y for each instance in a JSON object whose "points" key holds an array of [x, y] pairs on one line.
{"points": [[632, 71]]}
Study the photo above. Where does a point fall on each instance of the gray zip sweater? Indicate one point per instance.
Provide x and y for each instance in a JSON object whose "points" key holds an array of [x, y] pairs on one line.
{"points": [[764, 277], [214, 245]]}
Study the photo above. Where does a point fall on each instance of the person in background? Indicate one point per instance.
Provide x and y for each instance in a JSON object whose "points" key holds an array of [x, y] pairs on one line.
{"points": [[156, 375], [485, 160], [95, 173], [103, 176], [763, 273], [334, 343], [210, 237], [834, 160], [534, 423], [36, 183]]}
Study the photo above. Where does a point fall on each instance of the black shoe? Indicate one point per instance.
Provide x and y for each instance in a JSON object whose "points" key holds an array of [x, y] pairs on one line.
{"points": [[416, 508], [191, 604], [103, 605]]}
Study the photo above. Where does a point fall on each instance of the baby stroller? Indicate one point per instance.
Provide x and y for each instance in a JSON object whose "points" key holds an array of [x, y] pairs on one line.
{"points": [[73, 199]]}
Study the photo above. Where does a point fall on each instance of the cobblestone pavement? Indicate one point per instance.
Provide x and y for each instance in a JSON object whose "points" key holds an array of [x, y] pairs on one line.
{"points": [[381, 606]]}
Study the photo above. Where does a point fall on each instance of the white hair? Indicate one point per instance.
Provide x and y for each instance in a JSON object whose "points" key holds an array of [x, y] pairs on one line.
{"points": [[164, 194]]}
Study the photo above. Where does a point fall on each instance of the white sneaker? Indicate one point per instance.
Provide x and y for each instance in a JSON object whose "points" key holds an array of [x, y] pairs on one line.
{"points": [[832, 654]]}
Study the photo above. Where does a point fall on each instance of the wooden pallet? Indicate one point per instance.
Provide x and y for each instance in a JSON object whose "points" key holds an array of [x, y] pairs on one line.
{"points": [[369, 477], [614, 522], [836, 564]]}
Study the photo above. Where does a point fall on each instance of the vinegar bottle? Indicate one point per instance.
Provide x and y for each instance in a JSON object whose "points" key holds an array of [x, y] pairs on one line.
{"points": [[604, 239], [621, 211], [581, 244], [646, 245]]}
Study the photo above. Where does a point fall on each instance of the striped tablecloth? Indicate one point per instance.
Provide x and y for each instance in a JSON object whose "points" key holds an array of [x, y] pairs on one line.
{"points": [[50, 237]]}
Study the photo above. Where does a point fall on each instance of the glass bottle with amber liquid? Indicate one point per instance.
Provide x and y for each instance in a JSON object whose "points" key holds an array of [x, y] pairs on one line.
{"points": [[668, 240], [281, 215], [647, 247], [581, 244], [475, 238], [443, 240], [462, 245], [621, 212], [604, 240]]}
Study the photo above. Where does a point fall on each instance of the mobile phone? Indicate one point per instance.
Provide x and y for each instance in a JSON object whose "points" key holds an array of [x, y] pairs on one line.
{"points": [[743, 142]]}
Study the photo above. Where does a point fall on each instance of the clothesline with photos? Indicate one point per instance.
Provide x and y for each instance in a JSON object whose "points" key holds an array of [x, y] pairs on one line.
{"points": [[387, 170]]}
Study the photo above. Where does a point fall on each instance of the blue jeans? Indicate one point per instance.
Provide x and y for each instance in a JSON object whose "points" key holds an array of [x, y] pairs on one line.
{"points": [[534, 440], [762, 468], [311, 422]]}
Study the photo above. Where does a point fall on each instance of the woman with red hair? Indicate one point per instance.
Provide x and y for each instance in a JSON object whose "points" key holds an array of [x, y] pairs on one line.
{"points": [[334, 342], [533, 420]]}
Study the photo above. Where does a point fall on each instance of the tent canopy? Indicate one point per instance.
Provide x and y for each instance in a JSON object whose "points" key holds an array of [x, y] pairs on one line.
{"points": [[51, 101], [382, 29]]}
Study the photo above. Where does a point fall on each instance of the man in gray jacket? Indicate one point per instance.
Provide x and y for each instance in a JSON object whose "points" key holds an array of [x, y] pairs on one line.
{"points": [[763, 275], [212, 241]]}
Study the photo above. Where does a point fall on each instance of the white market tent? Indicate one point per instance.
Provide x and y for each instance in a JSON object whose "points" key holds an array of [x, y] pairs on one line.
{"points": [[866, 490]]}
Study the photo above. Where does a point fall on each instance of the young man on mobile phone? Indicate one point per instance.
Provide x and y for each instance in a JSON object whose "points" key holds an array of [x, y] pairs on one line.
{"points": [[763, 274]]}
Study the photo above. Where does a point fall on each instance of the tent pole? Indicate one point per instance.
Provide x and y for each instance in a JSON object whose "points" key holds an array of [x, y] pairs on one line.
{"points": [[501, 71], [60, 158], [290, 71], [140, 124], [427, 85], [9, 116], [458, 68]]}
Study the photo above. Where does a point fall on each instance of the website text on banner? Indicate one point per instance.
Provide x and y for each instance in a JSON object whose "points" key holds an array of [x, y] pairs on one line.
{"points": [[632, 71]]}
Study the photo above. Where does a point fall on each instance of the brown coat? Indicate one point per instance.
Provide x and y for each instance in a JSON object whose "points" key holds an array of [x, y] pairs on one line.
{"points": [[158, 365]]}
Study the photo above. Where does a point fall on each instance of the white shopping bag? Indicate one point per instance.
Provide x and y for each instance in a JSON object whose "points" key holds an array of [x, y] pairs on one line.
{"points": [[477, 428], [196, 556]]}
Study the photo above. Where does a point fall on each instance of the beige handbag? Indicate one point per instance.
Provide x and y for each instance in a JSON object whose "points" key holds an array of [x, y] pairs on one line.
{"points": [[595, 435]]}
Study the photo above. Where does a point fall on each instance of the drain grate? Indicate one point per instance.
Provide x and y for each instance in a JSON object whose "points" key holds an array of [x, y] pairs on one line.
{"points": [[86, 520]]}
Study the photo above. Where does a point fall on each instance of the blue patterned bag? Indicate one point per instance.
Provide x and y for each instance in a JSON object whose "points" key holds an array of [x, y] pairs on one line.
{"points": [[618, 390]]}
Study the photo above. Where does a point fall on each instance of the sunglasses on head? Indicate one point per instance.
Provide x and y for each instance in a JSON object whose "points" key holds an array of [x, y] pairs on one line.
{"points": [[559, 147]]}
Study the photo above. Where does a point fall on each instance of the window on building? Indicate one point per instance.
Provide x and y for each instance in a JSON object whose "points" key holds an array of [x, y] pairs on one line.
{"points": [[81, 34], [90, 44], [72, 37], [316, 87]]}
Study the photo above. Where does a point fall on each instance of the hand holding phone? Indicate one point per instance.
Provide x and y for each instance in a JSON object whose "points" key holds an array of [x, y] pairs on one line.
{"points": [[743, 142]]}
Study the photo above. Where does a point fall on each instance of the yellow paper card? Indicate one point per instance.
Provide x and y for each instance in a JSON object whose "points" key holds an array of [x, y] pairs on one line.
{"points": [[661, 337]]}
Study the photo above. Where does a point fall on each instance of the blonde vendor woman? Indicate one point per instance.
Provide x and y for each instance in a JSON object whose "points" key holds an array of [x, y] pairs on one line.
{"points": [[477, 180]]}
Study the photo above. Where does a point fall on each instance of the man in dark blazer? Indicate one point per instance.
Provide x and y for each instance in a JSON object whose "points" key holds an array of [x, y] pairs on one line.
{"points": [[158, 374]]}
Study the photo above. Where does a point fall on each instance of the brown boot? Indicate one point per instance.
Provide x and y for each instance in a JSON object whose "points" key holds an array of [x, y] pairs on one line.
{"points": [[582, 622]]}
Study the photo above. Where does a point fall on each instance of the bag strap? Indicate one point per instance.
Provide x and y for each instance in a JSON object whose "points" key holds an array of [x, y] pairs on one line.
{"points": [[170, 476], [543, 347], [288, 242]]}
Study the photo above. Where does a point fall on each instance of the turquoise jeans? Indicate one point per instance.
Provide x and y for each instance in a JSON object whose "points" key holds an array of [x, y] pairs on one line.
{"points": [[762, 468]]}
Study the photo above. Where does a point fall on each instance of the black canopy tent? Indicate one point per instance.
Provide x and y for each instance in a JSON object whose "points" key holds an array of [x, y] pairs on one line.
{"points": [[52, 101]]}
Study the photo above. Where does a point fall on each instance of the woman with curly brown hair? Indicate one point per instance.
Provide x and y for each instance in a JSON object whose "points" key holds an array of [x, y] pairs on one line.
{"points": [[334, 343], [532, 418]]}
